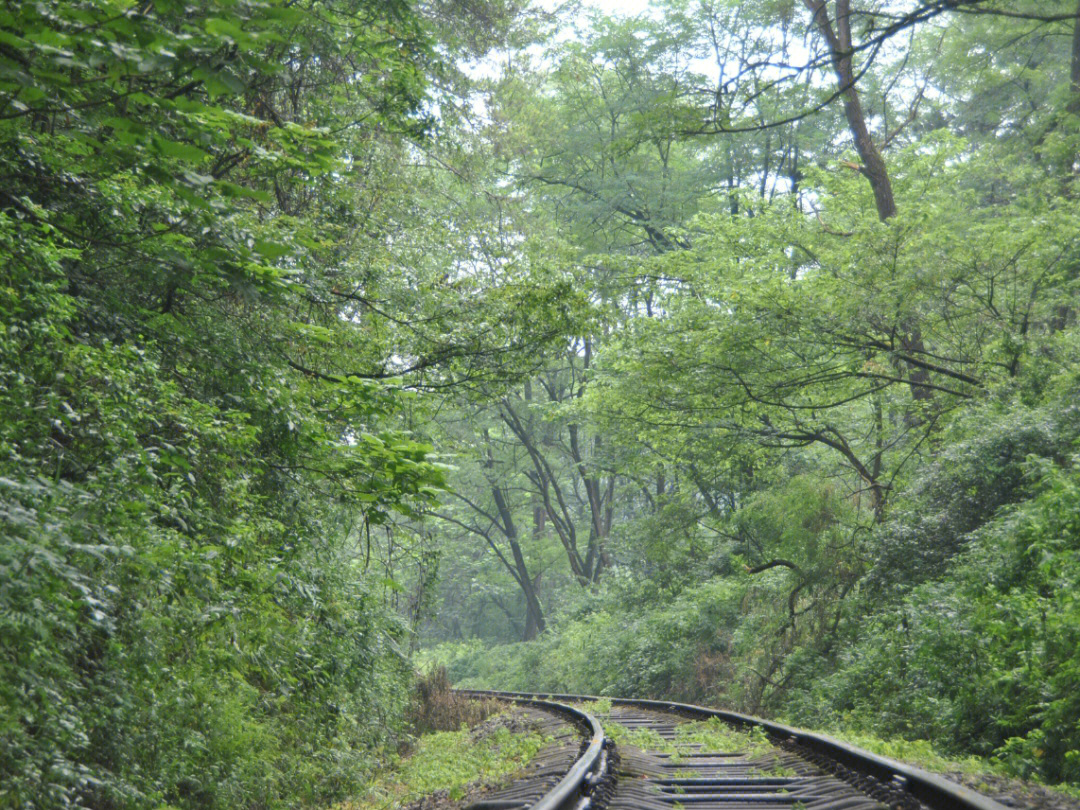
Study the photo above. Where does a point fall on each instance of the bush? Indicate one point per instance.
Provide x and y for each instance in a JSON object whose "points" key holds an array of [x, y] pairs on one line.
{"points": [[983, 467], [436, 707], [626, 649], [986, 659]]}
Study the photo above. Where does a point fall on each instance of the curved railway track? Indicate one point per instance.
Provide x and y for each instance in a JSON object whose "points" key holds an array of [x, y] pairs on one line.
{"points": [[657, 766], [566, 771]]}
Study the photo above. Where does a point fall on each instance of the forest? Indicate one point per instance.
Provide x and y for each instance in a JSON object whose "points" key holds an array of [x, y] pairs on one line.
{"points": [[724, 351]]}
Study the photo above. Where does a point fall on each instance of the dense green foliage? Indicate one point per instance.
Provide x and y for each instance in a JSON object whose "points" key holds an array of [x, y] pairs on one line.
{"points": [[728, 352], [821, 437], [200, 417], [980, 656]]}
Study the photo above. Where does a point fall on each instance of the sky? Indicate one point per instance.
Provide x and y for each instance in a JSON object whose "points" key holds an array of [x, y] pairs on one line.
{"points": [[620, 6], [609, 7]]}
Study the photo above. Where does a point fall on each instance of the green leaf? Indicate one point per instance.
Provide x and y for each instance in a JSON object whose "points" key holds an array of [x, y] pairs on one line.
{"points": [[271, 250], [177, 149]]}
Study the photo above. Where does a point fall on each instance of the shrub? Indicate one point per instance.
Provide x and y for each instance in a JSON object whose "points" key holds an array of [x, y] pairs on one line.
{"points": [[436, 707]]}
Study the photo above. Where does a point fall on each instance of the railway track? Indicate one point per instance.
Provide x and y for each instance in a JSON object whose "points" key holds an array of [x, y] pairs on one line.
{"points": [[565, 770], [658, 755]]}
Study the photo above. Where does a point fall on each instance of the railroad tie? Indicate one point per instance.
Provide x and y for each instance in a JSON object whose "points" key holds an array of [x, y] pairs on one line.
{"points": [[776, 768]]}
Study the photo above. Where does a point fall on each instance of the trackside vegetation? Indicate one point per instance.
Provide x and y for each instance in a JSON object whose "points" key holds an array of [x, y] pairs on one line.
{"points": [[719, 350], [816, 455], [450, 761], [204, 305]]}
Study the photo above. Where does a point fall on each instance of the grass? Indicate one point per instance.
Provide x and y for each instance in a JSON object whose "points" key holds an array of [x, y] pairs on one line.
{"points": [[451, 761], [923, 754], [716, 736], [596, 708], [437, 707], [713, 735], [918, 752]]}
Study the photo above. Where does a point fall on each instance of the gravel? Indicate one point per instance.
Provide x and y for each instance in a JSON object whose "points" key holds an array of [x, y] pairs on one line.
{"points": [[1016, 793]]}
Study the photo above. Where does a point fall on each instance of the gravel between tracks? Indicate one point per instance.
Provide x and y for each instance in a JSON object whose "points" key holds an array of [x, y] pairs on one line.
{"points": [[1016, 793]]}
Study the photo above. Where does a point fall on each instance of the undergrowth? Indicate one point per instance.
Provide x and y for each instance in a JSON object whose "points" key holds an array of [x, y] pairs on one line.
{"points": [[436, 707], [714, 736], [923, 754], [450, 761], [597, 708]]}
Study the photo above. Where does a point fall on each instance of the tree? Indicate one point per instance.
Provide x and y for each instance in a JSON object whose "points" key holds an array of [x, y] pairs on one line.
{"points": [[202, 414]]}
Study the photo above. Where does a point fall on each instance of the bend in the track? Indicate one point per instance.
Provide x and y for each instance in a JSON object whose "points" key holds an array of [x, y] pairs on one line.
{"points": [[800, 771], [566, 772]]}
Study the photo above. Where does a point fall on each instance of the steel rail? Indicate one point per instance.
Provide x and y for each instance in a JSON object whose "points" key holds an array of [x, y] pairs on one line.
{"points": [[931, 790], [572, 791]]}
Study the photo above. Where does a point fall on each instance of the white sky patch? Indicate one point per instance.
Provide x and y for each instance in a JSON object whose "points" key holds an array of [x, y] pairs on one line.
{"points": [[621, 8]]}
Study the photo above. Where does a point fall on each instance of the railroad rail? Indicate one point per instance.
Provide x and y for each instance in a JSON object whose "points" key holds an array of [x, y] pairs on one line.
{"points": [[799, 770], [567, 774]]}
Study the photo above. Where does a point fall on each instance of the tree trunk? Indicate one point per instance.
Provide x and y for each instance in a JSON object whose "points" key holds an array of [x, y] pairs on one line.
{"points": [[873, 166], [534, 614], [1063, 313], [838, 39], [1073, 107]]}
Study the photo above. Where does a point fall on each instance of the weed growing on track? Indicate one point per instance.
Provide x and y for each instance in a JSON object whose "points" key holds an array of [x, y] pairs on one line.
{"points": [[714, 736], [597, 708], [449, 761]]}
